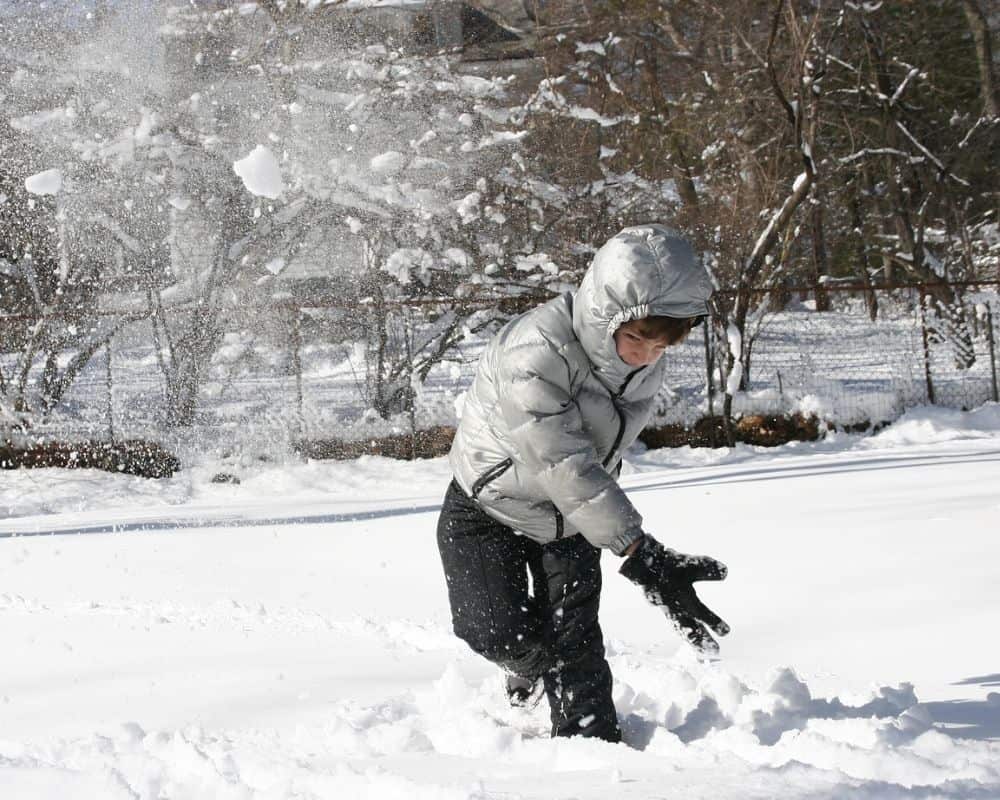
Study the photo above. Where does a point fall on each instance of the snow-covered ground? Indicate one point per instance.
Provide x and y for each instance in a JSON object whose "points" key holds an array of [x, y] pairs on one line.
{"points": [[288, 637]]}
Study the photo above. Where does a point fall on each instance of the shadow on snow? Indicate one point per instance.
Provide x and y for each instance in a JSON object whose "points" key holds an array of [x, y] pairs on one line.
{"points": [[763, 473], [166, 525]]}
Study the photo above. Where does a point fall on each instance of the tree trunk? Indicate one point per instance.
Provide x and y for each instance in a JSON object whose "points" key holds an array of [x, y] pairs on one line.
{"points": [[871, 299], [182, 397], [821, 267], [192, 353], [982, 37]]}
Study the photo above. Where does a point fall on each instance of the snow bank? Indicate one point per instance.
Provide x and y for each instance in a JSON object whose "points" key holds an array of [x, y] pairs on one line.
{"points": [[28, 493], [933, 424], [35, 492]]}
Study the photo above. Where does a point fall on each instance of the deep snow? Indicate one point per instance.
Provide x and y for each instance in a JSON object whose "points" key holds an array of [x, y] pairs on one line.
{"points": [[289, 637]]}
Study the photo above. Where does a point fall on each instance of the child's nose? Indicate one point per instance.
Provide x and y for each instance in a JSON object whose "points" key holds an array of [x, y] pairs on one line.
{"points": [[650, 354]]}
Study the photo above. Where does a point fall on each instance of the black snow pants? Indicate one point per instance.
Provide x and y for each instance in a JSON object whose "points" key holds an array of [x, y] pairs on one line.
{"points": [[548, 630]]}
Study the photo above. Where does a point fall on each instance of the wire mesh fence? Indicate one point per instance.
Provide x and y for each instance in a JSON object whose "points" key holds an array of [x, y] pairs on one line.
{"points": [[843, 366], [299, 372]]}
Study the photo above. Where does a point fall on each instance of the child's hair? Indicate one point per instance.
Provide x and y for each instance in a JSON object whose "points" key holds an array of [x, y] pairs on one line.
{"points": [[670, 329]]}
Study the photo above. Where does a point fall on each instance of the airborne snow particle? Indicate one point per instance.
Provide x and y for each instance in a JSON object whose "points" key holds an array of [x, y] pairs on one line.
{"points": [[468, 207], [392, 161], [47, 182], [261, 173]]}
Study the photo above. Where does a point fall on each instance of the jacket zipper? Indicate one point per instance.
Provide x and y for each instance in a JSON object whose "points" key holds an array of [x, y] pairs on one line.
{"points": [[621, 416], [491, 474], [628, 380], [495, 472], [499, 469]]}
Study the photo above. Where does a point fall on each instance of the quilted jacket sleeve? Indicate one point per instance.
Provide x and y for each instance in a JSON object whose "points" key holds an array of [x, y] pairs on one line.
{"points": [[545, 425]]}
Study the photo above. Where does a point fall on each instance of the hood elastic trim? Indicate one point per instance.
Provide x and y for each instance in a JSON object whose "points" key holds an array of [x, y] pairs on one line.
{"points": [[647, 270]]}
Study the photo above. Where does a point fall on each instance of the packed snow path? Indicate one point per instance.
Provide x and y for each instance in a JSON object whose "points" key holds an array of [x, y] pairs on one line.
{"points": [[289, 637]]}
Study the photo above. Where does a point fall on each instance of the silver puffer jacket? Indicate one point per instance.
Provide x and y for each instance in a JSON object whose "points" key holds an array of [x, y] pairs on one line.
{"points": [[553, 407]]}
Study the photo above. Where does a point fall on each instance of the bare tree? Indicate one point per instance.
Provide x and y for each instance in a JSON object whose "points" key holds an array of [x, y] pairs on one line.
{"points": [[983, 38], [914, 173]]}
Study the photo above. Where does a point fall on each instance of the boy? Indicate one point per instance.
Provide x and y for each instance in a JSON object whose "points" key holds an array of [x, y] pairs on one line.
{"points": [[560, 393]]}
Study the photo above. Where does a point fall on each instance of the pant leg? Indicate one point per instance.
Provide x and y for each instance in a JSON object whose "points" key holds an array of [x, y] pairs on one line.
{"points": [[579, 683], [550, 632], [486, 569]]}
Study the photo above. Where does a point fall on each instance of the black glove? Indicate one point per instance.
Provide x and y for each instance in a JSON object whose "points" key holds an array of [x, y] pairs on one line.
{"points": [[666, 577]]}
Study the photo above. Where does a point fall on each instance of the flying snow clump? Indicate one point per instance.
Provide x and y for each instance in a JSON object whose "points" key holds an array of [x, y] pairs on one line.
{"points": [[468, 207], [389, 162], [48, 182], [407, 260], [530, 263], [261, 173], [275, 265]]}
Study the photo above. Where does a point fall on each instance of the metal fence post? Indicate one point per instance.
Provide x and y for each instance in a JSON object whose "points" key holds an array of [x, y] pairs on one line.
{"points": [[927, 348], [709, 378], [993, 356], [109, 382], [297, 367]]}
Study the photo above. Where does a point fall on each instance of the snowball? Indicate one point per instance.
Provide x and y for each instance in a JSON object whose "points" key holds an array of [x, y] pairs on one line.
{"points": [[261, 173], [47, 182]]}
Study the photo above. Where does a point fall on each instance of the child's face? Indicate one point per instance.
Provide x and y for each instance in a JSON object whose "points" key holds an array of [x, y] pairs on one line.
{"points": [[635, 347]]}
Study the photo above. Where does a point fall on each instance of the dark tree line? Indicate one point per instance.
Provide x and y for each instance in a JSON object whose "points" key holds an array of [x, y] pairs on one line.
{"points": [[807, 141]]}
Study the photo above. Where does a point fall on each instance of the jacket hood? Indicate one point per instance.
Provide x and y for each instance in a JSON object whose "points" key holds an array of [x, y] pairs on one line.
{"points": [[644, 271]]}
